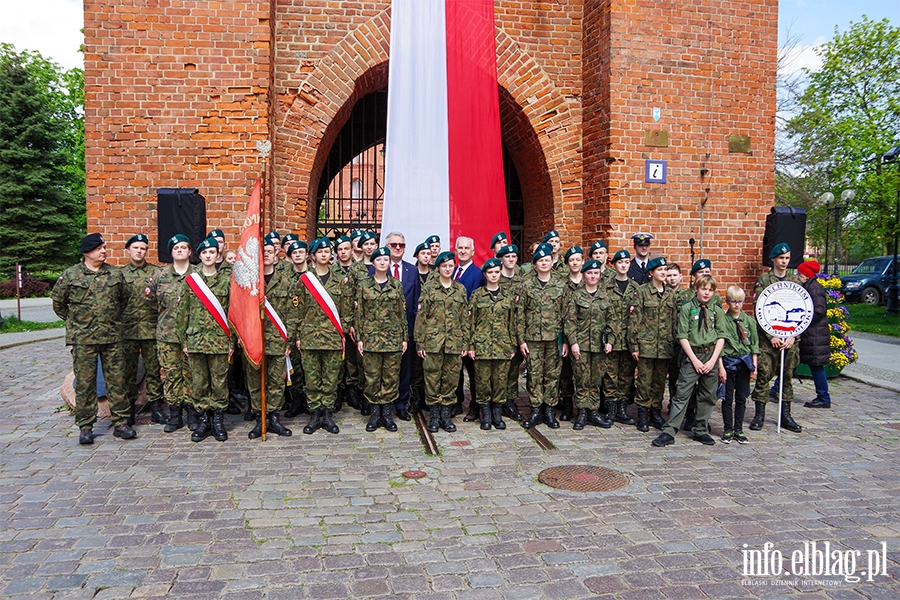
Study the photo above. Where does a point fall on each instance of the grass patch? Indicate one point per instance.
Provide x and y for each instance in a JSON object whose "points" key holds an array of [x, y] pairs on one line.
{"points": [[869, 318], [14, 325]]}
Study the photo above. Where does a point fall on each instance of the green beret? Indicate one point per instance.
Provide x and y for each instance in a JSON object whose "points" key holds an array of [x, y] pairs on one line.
{"points": [[541, 251], [322, 242], [620, 255], [420, 247], [703, 263], [498, 237], [490, 264], [383, 251], [642, 239], [364, 237], [659, 261], [355, 234], [341, 240], [216, 233], [443, 257], [550, 235], [90, 242], [507, 249], [270, 241], [591, 264], [573, 250], [288, 238], [295, 245], [433, 239], [207, 244], [273, 235], [177, 239], [597, 245], [138, 237], [780, 249]]}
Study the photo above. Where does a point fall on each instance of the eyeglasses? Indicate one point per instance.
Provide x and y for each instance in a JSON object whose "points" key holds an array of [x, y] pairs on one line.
{"points": [[729, 301], [397, 245]]}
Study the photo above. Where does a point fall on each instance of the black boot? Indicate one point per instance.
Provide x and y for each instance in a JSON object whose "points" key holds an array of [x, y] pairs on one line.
{"points": [[787, 421], [759, 418], [656, 419], [511, 410], [415, 401], [485, 417], [598, 419], [366, 409], [328, 421], [353, 398], [580, 420], [643, 420], [550, 416], [257, 429], [535, 418], [689, 416], [132, 413], [339, 399], [235, 406], [157, 412], [314, 422], [250, 414], [273, 425], [386, 418], [293, 405], [434, 418], [611, 411], [497, 416], [375, 418], [474, 412], [193, 416], [447, 419], [86, 436], [218, 426], [203, 429], [622, 416], [174, 422], [566, 408]]}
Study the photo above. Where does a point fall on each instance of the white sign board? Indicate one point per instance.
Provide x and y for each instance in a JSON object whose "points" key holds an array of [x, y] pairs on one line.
{"points": [[784, 309]]}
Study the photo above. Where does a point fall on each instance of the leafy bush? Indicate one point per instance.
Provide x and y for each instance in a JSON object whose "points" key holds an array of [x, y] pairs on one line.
{"points": [[31, 287]]}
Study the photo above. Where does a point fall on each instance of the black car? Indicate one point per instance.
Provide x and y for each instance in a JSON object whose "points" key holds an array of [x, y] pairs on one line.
{"points": [[869, 281]]}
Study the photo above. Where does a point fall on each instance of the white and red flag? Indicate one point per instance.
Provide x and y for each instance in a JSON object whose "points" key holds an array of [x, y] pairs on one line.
{"points": [[247, 291], [444, 158]]}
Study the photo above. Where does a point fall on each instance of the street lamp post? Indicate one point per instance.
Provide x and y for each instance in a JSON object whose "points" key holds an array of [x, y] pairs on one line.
{"points": [[892, 156], [827, 198]]}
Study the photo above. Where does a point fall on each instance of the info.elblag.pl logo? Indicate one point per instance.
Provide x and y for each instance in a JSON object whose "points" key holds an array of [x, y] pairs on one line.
{"points": [[815, 560]]}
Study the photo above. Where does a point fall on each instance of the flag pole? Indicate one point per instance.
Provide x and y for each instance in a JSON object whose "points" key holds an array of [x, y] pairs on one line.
{"points": [[263, 148]]}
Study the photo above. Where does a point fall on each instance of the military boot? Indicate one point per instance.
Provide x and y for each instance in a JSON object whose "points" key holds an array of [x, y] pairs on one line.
{"points": [[218, 426], [328, 421], [273, 424], [535, 418], [174, 422], [566, 408], [787, 421], [374, 418], [643, 420], [366, 409], [485, 417], [611, 410], [339, 399], [86, 436], [434, 418], [550, 416], [315, 421], [580, 420], [235, 406], [598, 419], [386, 418], [656, 419], [157, 412], [511, 410], [203, 429], [257, 429], [132, 413], [292, 404], [353, 398], [622, 416], [447, 419], [474, 412], [497, 416], [193, 416], [759, 418]]}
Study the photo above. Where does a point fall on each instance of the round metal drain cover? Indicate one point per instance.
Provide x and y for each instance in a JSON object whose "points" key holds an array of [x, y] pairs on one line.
{"points": [[583, 478]]}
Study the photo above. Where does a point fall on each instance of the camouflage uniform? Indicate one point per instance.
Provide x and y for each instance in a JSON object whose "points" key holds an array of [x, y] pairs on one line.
{"points": [[139, 332], [443, 332], [683, 296], [566, 377], [620, 364], [380, 322], [206, 343], [320, 343], [651, 333], [512, 376], [493, 340], [167, 287], [91, 303], [540, 324], [586, 325], [350, 367], [769, 358]]}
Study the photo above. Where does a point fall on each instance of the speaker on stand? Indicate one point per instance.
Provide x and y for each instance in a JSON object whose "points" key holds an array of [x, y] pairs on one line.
{"points": [[785, 224], [180, 210]]}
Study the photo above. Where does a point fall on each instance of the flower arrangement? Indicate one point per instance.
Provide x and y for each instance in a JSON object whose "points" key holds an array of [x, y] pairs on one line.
{"points": [[842, 352]]}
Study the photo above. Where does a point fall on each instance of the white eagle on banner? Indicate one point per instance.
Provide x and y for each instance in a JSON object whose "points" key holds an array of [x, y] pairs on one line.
{"points": [[246, 266]]}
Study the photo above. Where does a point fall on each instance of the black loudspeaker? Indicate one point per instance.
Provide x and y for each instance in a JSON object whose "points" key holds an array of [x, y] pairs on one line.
{"points": [[785, 224], [180, 210]]}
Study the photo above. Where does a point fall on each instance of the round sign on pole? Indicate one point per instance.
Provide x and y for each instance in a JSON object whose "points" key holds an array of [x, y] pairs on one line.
{"points": [[784, 309]]}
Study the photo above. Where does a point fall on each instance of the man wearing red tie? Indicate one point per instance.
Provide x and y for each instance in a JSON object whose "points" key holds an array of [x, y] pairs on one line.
{"points": [[471, 278], [408, 275]]}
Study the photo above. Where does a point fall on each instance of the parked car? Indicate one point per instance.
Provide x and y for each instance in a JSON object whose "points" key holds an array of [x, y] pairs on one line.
{"points": [[869, 281]]}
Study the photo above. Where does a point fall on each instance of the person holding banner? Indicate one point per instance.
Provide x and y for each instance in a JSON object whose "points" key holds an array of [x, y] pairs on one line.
{"points": [[323, 312], [203, 332]]}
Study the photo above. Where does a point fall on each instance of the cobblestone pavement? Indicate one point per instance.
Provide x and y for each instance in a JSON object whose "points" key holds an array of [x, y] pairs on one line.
{"points": [[328, 516]]}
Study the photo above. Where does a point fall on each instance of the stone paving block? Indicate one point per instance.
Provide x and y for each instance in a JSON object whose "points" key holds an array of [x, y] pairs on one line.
{"points": [[486, 580], [562, 558]]}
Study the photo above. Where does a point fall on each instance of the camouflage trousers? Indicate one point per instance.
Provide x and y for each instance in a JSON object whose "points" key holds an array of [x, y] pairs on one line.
{"points": [[176, 374], [441, 376], [209, 381], [321, 368], [620, 368], [84, 365], [147, 350], [276, 372], [512, 376], [490, 380], [566, 378], [417, 374], [544, 363], [706, 385], [651, 382], [349, 376], [589, 371], [769, 366], [382, 370]]}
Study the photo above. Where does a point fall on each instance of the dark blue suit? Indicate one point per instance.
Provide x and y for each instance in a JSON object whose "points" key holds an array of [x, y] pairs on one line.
{"points": [[409, 277], [471, 279]]}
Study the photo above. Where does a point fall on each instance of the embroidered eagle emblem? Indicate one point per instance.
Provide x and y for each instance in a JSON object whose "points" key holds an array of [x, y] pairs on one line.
{"points": [[246, 267]]}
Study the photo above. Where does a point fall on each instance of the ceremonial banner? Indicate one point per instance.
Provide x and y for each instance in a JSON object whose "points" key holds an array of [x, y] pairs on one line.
{"points": [[444, 159], [246, 287]]}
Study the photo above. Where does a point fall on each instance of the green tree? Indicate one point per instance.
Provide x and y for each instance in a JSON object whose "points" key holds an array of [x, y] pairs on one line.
{"points": [[846, 115], [42, 194]]}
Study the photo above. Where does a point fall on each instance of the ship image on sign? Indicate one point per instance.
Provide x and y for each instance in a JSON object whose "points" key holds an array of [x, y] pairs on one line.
{"points": [[784, 309]]}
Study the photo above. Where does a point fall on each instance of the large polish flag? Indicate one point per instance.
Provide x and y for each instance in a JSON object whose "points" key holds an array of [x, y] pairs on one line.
{"points": [[444, 159]]}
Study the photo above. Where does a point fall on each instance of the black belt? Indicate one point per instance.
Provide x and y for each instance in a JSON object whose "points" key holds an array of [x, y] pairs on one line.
{"points": [[703, 349]]}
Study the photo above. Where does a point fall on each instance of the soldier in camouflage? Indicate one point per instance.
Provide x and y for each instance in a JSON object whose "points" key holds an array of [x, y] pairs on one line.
{"points": [[348, 380], [674, 278], [621, 291], [442, 332], [511, 275], [422, 254], [600, 253], [295, 394], [90, 297], [574, 259], [139, 330]]}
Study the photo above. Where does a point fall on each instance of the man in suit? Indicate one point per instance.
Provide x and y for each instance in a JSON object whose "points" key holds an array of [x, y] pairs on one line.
{"points": [[408, 276], [471, 278], [638, 268]]}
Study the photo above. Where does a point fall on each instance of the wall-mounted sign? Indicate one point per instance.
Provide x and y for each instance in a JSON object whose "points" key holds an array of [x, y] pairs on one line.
{"points": [[655, 171]]}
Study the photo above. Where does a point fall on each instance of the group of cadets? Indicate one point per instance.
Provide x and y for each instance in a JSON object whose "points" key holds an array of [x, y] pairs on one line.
{"points": [[349, 322]]}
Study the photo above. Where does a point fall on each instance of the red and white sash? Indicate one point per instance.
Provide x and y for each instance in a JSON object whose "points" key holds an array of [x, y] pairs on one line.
{"points": [[276, 320], [323, 299], [209, 300]]}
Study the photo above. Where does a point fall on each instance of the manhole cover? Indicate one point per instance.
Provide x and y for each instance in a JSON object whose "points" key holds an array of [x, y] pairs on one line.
{"points": [[583, 478], [414, 474], [461, 443]]}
